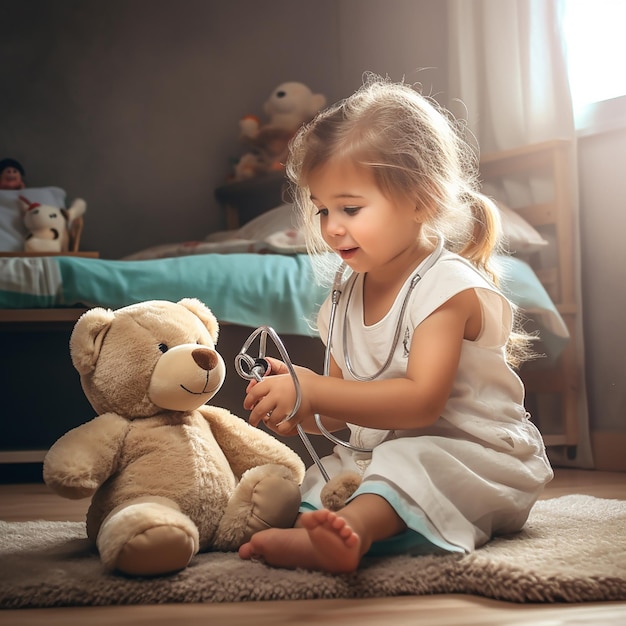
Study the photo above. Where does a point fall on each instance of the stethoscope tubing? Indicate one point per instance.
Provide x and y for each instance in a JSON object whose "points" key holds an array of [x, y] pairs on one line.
{"points": [[249, 368]]}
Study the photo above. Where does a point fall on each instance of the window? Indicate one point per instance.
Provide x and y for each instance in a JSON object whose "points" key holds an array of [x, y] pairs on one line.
{"points": [[596, 50]]}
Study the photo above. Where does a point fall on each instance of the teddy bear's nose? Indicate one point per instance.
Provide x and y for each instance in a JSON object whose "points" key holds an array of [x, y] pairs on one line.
{"points": [[205, 358], [281, 94]]}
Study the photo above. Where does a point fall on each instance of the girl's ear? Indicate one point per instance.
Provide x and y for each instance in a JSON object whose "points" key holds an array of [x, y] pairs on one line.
{"points": [[425, 210], [421, 211]]}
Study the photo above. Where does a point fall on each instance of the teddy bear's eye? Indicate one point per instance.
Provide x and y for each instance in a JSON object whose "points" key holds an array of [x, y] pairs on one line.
{"points": [[163, 347]]}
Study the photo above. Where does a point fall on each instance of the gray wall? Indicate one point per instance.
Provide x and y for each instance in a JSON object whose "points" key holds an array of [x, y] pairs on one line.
{"points": [[134, 104]]}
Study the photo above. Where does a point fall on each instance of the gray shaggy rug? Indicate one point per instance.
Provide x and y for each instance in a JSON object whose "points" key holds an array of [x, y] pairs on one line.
{"points": [[572, 549]]}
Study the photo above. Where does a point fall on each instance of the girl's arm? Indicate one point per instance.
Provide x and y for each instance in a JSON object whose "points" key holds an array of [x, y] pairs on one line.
{"points": [[413, 401]]}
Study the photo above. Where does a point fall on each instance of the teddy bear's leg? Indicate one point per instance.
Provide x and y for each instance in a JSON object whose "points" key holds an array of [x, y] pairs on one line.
{"points": [[266, 497], [147, 537]]}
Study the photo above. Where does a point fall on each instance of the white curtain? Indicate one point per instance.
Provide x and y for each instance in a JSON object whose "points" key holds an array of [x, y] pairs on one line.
{"points": [[507, 65], [508, 79]]}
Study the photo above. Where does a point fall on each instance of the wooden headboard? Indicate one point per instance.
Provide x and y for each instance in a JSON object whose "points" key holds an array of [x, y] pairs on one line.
{"points": [[551, 161]]}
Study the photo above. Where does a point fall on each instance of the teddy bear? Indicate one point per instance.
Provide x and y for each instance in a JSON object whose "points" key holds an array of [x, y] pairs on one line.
{"points": [[289, 106], [48, 226], [168, 474]]}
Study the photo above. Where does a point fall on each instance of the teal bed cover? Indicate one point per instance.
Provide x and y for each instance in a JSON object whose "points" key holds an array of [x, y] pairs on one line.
{"points": [[247, 289]]}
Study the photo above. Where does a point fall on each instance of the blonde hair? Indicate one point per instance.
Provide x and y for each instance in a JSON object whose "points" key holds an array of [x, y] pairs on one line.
{"points": [[415, 150]]}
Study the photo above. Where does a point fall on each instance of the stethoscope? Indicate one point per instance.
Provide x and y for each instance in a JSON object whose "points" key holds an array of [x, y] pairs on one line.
{"points": [[251, 368]]}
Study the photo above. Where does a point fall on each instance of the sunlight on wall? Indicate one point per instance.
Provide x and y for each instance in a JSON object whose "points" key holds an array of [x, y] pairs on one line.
{"points": [[596, 49]]}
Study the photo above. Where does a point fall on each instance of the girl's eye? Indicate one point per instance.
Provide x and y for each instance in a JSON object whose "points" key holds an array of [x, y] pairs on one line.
{"points": [[348, 210]]}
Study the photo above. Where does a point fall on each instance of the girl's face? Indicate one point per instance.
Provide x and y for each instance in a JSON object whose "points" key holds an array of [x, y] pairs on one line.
{"points": [[369, 231]]}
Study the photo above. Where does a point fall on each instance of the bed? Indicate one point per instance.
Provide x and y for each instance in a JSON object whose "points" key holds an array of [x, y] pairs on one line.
{"points": [[256, 274]]}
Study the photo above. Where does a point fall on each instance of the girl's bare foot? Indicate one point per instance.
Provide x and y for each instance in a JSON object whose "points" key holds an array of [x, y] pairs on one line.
{"points": [[323, 541]]}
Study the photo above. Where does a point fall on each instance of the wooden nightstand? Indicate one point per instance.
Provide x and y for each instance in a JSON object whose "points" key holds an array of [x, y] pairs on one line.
{"points": [[244, 200]]}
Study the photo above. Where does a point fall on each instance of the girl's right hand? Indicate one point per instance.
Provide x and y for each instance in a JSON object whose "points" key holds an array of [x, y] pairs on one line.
{"points": [[276, 367]]}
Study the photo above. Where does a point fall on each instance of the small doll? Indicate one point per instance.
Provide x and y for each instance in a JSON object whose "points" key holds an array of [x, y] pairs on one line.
{"points": [[11, 174]]}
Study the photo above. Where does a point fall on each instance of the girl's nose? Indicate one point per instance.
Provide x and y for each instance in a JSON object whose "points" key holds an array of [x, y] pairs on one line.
{"points": [[335, 226]]}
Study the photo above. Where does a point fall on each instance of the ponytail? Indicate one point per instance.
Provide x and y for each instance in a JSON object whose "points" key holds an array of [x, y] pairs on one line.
{"points": [[484, 240], [485, 234]]}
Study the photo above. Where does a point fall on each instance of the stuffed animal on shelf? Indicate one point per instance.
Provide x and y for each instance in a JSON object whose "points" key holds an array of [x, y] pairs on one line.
{"points": [[11, 174], [289, 106], [48, 226], [169, 475]]}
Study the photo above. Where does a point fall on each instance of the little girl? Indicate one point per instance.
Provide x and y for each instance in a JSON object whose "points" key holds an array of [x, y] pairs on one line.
{"points": [[421, 363]]}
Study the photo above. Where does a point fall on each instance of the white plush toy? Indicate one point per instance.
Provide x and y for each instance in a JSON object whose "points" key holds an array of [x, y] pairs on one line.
{"points": [[48, 226], [289, 106]]}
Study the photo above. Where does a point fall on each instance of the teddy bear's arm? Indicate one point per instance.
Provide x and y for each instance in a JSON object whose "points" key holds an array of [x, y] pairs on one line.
{"points": [[246, 446], [82, 459]]}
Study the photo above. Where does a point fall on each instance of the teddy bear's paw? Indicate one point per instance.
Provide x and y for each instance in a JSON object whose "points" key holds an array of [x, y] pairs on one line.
{"points": [[73, 488], [338, 489], [156, 551]]}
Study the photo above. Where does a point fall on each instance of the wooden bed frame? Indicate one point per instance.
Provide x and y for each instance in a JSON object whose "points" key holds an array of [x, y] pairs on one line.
{"points": [[551, 159]]}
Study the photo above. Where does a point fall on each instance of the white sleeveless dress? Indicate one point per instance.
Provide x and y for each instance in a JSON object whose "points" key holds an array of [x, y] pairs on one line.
{"points": [[478, 470]]}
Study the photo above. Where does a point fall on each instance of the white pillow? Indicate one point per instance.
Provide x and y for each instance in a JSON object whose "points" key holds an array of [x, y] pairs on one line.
{"points": [[520, 237], [12, 229], [261, 227]]}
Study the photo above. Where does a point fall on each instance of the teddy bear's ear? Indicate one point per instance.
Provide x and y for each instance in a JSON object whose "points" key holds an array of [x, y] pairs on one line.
{"points": [[204, 313], [87, 338], [24, 203]]}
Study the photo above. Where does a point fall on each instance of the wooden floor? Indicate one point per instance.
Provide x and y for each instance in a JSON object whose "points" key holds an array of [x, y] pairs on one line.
{"points": [[34, 501]]}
